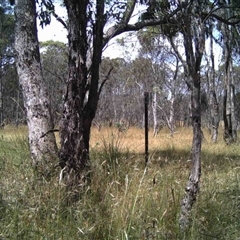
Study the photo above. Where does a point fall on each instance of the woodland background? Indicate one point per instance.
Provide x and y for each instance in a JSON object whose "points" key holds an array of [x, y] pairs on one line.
{"points": [[98, 187]]}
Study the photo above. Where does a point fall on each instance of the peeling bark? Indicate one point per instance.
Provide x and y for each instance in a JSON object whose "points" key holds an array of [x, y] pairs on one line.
{"points": [[74, 151], [193, 186], [82, 93]]}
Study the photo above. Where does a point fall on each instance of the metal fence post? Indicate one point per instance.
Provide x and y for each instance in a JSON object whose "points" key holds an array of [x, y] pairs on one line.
{"points": [[146, 101]]}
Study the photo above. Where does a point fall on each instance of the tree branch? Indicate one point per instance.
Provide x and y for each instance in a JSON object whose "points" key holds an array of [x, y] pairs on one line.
{"points": [[185, 66], [104, 81], [59, 19], [226, 21], [117, 30], [123, 26], [51, 8], [49, 131], [129, 11]]}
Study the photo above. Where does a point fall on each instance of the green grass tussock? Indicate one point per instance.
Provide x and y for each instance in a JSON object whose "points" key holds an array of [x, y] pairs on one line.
{"points": [[123, 200]]}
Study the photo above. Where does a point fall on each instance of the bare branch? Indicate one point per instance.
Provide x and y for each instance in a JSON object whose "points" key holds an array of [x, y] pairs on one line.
{"points": [[123, 26], [226, 21], [59, 19], [117, 30], [129, 11], [104, 81], [177, 52]]}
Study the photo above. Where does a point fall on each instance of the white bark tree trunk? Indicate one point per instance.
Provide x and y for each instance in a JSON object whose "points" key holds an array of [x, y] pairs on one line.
{"points": [[194, 44], [42, 142], [214, 106]]}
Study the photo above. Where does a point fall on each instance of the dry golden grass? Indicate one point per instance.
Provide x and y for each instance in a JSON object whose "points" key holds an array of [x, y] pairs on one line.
{"points": [[134, 138], [11, 132]]}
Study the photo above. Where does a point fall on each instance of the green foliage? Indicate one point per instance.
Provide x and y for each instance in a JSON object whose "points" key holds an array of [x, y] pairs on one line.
{"points": [[46, 9], [112, 154], [50, 44], [115, 9], [170, 30], [155, 9]]}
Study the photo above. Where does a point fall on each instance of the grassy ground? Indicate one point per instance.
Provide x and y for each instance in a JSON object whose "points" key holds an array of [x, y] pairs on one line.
{"points": [[123, 200]]}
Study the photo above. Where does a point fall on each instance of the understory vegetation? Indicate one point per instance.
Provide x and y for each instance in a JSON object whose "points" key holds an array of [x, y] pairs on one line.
{"points": [[123, 200]]}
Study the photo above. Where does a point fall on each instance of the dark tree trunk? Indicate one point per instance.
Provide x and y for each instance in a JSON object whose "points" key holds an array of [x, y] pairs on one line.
{"points": [[226, 119], [74, 152], [229, 115], [82, 93]]}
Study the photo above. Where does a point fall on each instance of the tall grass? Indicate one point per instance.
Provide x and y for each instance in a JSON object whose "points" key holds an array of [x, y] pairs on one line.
{"points": [[124, 199]]}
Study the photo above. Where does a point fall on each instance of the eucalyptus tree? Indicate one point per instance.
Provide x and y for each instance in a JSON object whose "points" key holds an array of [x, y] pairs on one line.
{"points": [[173, 86], [190, 26], [167, 84], [192, 30], [227, 28], [229, 116], [42, 146], [90, 25]]}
